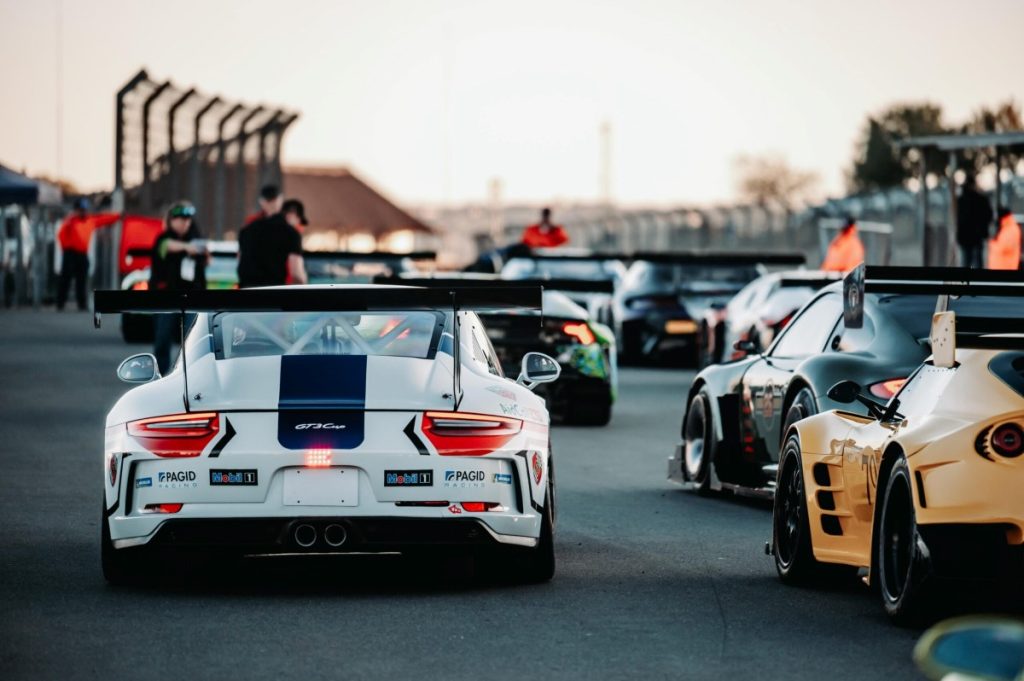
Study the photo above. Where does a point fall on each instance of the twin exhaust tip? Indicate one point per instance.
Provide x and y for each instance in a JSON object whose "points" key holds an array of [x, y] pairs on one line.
{"points": [[306, 535]]}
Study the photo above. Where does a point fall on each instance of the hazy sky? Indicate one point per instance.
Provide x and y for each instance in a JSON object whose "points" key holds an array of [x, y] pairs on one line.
{"points": [[429, 100]]}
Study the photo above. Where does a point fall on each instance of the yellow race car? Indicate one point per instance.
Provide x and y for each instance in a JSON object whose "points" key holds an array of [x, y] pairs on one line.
{"points": [[928, 489]]}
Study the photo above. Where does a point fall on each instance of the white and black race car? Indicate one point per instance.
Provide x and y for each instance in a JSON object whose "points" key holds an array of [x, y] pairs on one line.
{"points": [[329, 419]]}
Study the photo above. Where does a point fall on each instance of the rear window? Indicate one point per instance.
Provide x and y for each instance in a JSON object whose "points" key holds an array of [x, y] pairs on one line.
{"points": [[588, 270], [661, 276], [389, 334]]}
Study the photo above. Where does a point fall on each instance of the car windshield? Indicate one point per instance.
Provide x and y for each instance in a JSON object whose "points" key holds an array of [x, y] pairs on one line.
{"points": [[590, 270], [391, 333], [687, 277], [914, 313]]}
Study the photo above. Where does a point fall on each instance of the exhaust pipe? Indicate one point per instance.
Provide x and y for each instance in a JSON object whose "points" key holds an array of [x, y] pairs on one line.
{"points": [[304, 535], [335, 535]]}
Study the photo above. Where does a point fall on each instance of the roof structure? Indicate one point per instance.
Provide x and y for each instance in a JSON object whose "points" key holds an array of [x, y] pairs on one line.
{"points": [[973, 141], [337, 200]]}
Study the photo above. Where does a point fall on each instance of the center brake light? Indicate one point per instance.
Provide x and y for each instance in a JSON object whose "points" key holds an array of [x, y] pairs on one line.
{"points": [[179, 435], [580, 332], [464, 434]]}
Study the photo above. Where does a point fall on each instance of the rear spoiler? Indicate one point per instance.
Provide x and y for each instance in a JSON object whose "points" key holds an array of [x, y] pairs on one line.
{"points": [[720, 258], [322, 300], [580, 257], [814, 282], [373, 256], [578, 285], [148, 253], [939, 281], [950, 332], [463, 297]]}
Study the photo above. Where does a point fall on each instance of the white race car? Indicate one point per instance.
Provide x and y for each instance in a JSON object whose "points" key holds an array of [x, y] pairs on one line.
{"points": [[325, 419]]}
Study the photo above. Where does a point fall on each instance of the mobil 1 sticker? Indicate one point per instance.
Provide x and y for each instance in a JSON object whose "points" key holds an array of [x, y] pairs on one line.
{"points": [[408, 478], [234, 478]]}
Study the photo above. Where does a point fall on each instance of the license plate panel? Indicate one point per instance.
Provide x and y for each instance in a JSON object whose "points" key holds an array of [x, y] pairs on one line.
{"points": [[321, 487]]}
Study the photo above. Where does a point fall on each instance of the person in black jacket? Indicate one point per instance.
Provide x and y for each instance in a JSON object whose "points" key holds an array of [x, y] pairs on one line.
{"points": [[973, 217], [170, 272], [270, 253]]}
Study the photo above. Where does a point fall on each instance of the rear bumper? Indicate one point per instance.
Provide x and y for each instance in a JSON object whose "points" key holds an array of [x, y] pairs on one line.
{"points": [[364, 534], [648, 336]]}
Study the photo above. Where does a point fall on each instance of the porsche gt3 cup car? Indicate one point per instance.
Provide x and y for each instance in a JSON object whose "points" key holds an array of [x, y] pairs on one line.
{"points": [[925, 490], [737, 413], [330, 419], [588, 278], [588, 385], [758, 313], [657, 312]]}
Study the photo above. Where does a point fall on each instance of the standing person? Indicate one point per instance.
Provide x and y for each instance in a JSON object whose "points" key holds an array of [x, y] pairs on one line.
{"points": [[271, 200], [545, 234], [846, 250], [295, 214], [270, 252], [1004, 250], [74, 235], [169, 252], [973, 216]]}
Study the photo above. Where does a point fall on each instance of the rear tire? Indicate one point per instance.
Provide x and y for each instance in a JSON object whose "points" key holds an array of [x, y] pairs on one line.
{"points": [[902, 570], [589, 412], [698, 442]]}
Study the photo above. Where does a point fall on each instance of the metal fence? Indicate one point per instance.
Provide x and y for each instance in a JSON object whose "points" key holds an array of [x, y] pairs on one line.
{"points": [[174, 142]]}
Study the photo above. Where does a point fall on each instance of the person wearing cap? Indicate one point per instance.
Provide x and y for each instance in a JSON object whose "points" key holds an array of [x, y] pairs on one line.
{"points": [[1004, 249], [73, 236], [295, 213], [271, 200], [545, 234], [846, 251], [270, 249], [169, 273]]}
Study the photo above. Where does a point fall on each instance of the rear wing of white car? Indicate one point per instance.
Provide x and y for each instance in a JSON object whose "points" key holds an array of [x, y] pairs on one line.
{"points": [[327, 299]]}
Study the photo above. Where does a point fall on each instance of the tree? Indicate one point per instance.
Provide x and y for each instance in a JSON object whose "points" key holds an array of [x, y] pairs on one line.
{"points": [[878, 162], [769, 180], [1005, 117]]}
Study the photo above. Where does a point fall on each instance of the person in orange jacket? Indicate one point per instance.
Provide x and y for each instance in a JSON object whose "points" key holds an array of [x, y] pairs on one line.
{"points": [[73, 236], [1004, 250], [846, 251], [544, 234]]}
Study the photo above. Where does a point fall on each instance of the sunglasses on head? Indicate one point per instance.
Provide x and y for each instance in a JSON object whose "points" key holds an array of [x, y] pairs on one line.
{"points": [[183, 212]]}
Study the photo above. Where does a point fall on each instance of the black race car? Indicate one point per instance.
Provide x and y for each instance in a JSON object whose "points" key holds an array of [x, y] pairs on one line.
{"points": [[658, 311], [737, 414], [588, 278], [585, 349]]}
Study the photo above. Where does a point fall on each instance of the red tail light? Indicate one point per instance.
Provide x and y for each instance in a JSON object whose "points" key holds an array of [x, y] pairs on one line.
{"points": [[318, 458], [162, 508], [1008, 440], [140, 286], [180, 435], [886, 389], [463, 434], [479, 506], [580, 332]]}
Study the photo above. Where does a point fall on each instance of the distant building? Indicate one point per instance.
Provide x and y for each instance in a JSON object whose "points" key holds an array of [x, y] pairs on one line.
{"points": [[345, 213]]}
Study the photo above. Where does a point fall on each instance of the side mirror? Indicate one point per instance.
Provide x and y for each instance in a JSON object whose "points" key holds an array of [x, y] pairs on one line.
{"points": [[745, 346], [844, 392], [538, 368], [138, 369], [972, 648]]}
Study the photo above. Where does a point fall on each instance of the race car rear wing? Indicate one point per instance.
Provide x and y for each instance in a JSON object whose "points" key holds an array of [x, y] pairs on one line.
{"points": [[552, 284], [373, 256], [579, 257], [328, 299], [941, 282], [814, 281], [724, 259]]}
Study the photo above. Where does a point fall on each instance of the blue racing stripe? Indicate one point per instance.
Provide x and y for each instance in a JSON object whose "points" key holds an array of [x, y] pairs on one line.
{"points": [[322, 401]]}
